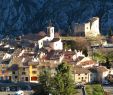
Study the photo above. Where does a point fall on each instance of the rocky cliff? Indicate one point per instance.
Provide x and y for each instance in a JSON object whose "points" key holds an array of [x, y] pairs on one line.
{"points": [[24, 16]]}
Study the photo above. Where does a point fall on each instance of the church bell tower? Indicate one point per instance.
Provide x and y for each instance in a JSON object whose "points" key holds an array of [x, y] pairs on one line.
{"points": [[50, 31]]}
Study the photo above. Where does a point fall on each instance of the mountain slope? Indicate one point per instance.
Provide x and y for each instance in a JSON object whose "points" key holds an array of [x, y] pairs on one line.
{"points": [[24, 16]]}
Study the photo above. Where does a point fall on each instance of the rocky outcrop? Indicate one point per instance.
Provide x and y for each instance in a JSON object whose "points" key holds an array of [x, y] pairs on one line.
{"points": [[24, 16]]}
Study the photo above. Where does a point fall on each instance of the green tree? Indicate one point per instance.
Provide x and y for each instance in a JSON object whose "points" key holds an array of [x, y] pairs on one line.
{"points": [[67, 46], [59, 84], [45, 80], [107, 63], [98, 56], [63, 83], [70, 45]]}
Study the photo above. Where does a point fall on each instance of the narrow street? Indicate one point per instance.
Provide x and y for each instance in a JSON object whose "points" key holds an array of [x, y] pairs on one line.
{"points": [[79, 92], [83, 91]]}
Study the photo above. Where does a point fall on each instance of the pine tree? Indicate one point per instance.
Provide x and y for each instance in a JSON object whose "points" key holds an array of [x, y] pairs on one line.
{"points": [[45, 80], [59, 84], [63, 82], [107, 64]]}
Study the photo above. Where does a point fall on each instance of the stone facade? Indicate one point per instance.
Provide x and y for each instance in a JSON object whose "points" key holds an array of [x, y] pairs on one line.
{"points": [[90, 28]]}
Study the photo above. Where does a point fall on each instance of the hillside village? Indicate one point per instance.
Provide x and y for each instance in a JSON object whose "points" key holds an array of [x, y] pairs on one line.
{"points": [[23, 58]]}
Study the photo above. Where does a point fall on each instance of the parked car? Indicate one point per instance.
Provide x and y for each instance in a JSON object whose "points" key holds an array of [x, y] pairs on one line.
{"points": [[2, 88], [14, 88], [106, 83], [20, 92]]}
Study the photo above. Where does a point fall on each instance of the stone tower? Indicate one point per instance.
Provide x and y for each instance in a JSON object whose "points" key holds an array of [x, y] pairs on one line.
{"points": [[50, 31], [88, 29], [94, 23]]}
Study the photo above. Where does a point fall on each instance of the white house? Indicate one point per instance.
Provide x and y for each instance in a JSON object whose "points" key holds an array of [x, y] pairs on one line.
{"points": [[45, 40], [102, 73], [56, 44]]}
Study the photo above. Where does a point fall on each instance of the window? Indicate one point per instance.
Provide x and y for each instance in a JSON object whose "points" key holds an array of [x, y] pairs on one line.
{"points": [[16, 77], [90, 74], [41, 43], [34, 72], [78, 77], [9, 77], [85, 73], [22, 78], [34, 78], [85, 77], [26, 78], [82, 78], [23, 73], [78, 74], [34, 66], [13, 72], [24, 69]]}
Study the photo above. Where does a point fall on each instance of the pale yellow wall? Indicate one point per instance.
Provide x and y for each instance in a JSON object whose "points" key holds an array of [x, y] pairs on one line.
{"points": [[26, 70], [78, 78]]}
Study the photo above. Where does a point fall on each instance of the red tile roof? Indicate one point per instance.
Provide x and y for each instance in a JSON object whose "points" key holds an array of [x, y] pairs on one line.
{"points": [[89, 62], [102, 69], [55, 40]]}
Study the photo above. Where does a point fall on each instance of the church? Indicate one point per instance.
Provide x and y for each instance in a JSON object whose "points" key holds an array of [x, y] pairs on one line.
{"points": [[48, 40]]}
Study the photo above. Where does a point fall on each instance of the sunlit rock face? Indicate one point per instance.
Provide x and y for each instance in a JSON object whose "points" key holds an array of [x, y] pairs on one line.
{"points": [[25, 16]]}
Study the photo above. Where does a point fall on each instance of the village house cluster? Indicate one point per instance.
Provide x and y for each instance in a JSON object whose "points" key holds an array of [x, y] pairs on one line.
{"points": [[23, 58]]}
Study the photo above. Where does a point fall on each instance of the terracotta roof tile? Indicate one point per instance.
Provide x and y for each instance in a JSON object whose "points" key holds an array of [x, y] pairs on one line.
{"points": [[55, 40], [89, 62], [102, 69], [80, 70], [33, 37]]}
